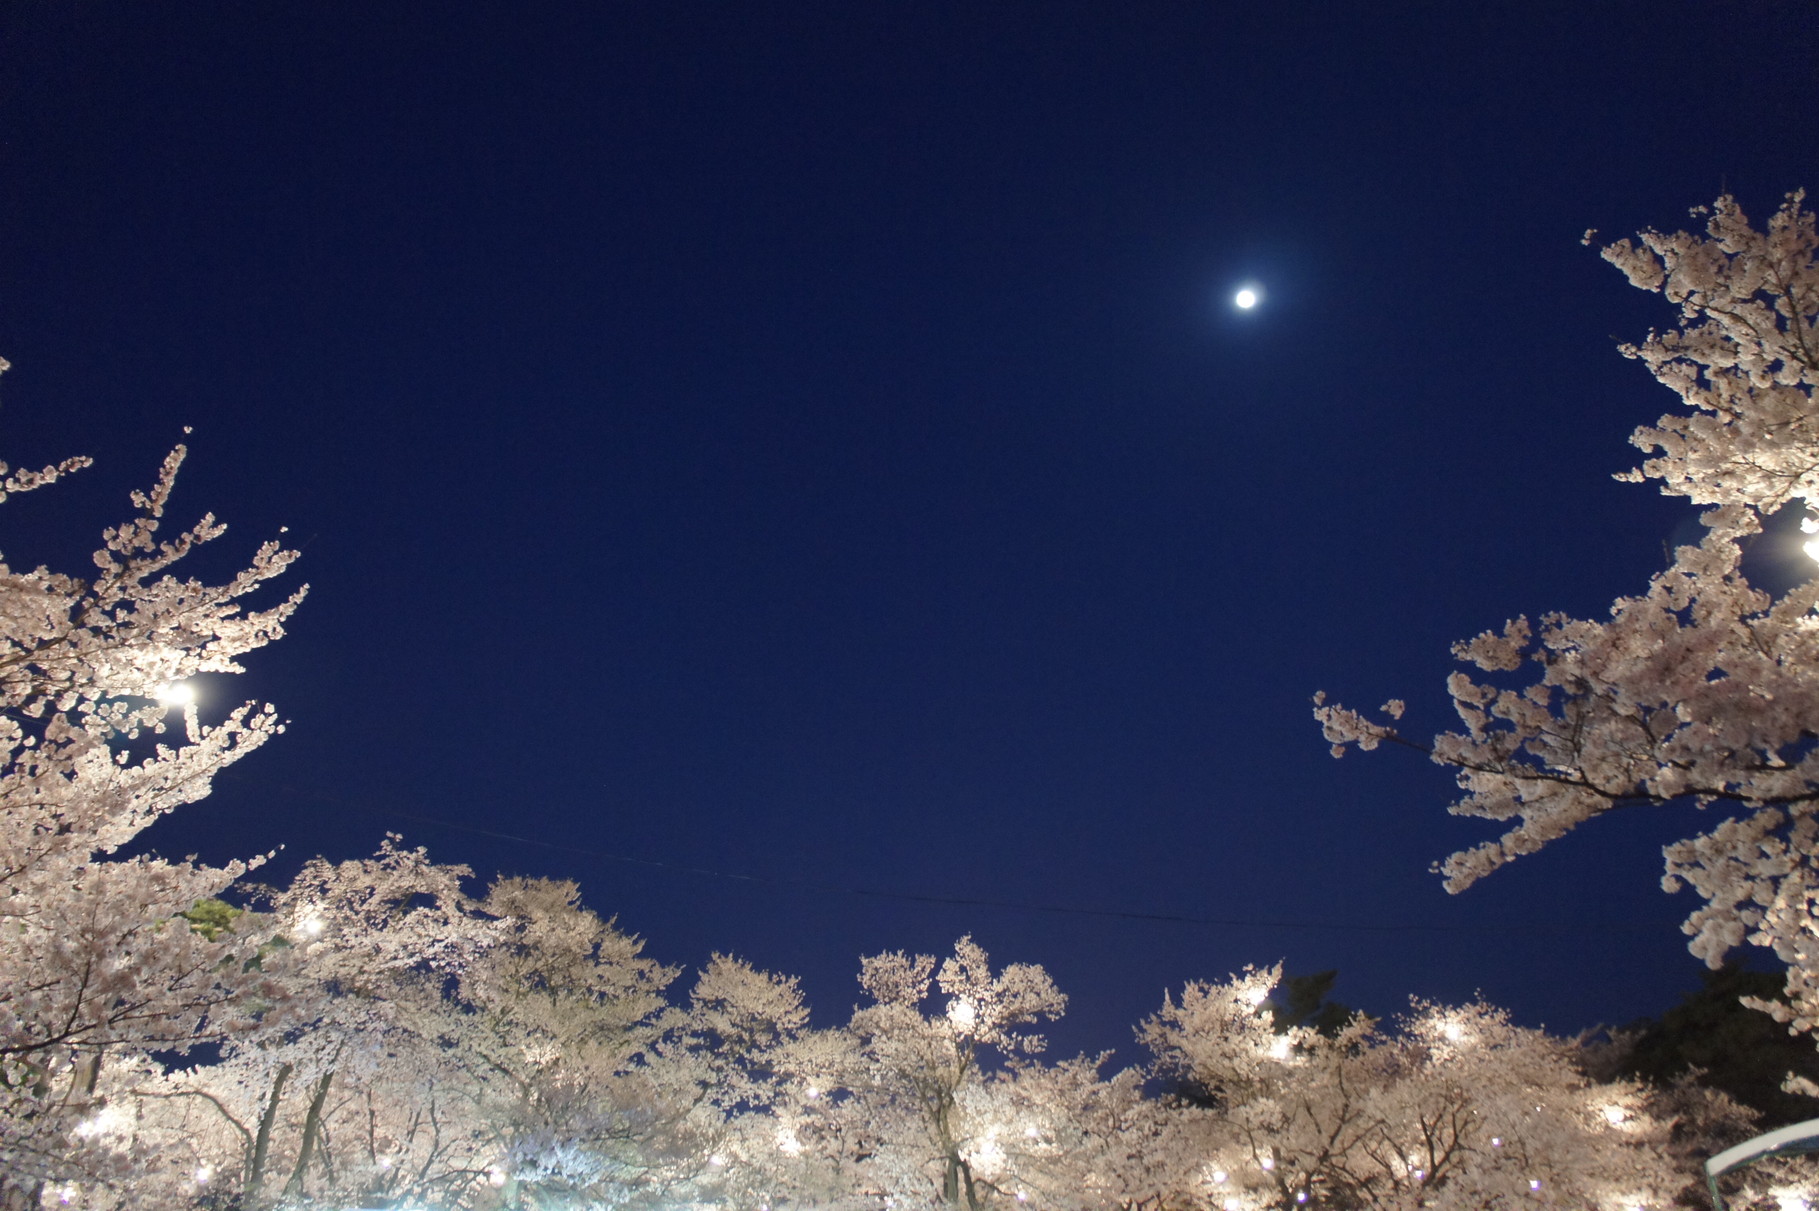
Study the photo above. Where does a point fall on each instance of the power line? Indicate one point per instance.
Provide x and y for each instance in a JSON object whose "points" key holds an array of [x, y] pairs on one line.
{"points": [[879, 893], [1119, 914]]}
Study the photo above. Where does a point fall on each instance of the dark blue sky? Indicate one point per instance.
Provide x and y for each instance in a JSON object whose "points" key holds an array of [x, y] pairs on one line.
{"points": [[811, 442]]}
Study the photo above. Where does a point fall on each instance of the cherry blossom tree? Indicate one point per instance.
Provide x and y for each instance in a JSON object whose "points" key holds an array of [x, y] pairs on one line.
{"points": [[342, 1085], [564, 1019], [1701, 690], [1455, 1107], [917, 1082], [96, 959], [1070, 1138]]}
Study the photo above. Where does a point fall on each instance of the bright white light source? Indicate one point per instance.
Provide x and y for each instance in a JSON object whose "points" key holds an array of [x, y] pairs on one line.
{"points": [[177, 693], [1279, 1049], [961, 1013], [1219, 1176], [1615, 1115], [1257, 996], [1268, 1163], [1811, 547], [495, 1177], [1453, 1032], [716, 1160], [203, 1174], [1232, 1204], [105, 1121], [1245, 299]]}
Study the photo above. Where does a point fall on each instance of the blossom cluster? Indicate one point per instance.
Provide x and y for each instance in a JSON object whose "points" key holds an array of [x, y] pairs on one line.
{"points": [[1704, 689]]}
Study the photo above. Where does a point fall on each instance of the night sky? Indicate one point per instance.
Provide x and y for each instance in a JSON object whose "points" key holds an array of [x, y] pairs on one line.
{"points": [[796, 469]]}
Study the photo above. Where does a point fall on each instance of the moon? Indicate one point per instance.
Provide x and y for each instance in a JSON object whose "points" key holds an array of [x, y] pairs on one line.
{"points": [[1246, 298]]}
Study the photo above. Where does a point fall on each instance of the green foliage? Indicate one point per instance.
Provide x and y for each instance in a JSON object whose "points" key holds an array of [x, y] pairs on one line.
{"points": [[1741, 1051], [211, 918], [1301, 1001]]}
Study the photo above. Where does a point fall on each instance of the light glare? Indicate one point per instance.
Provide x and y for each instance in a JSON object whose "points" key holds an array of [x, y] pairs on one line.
{"points": [[1245, 299]]}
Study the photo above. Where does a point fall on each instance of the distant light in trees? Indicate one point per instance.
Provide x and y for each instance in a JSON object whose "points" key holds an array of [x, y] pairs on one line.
{"points": [[104, 1121], [961, 1013], [177, 693]]}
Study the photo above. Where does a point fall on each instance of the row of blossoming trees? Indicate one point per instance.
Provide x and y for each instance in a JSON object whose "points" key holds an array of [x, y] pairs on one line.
{"points": [[379, 1033]]}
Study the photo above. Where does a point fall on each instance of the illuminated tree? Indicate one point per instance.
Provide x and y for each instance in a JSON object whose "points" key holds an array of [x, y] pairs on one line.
{"points": [[1702, 690], [96, 960], [917, 1083], [1454, 1108], [555, 1038], [343, 1085], [1073, 1139]]}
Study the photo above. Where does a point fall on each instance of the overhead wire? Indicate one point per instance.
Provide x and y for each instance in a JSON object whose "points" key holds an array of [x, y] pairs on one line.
{"points": [[1353, 925]]}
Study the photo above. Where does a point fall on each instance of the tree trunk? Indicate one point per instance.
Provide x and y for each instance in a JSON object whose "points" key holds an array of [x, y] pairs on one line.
{"points": [[255, 1169], [312, 1127]]}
